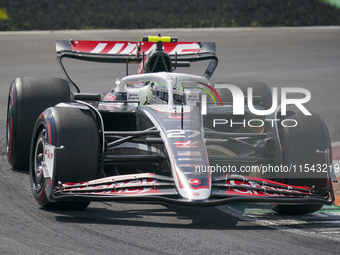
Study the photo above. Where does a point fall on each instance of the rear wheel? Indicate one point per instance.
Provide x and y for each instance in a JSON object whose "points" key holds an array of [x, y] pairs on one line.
{"points": [[75, 133], [28, 97], [300, 145], [259, 89]]}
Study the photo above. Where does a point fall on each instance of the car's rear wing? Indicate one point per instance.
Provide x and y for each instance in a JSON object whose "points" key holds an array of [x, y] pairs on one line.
{"points": [[181, 53], [119, 51]]}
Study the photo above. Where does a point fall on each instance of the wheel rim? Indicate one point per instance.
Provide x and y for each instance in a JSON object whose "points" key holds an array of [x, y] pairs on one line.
{"points": [[37, 173]]}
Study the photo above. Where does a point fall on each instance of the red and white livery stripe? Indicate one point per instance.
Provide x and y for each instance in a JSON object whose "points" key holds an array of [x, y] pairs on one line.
{"points": [[130, 48]]}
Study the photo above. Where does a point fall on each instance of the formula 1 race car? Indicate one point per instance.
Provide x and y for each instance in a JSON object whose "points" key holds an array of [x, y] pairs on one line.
{"points": [[167, 137]]}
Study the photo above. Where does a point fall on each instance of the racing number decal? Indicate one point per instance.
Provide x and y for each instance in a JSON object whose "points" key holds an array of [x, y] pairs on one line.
{"points": [[194, 133], [175, 133]]}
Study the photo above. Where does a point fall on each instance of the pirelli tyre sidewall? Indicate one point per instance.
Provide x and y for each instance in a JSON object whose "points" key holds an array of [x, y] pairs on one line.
{"points": [[74, 133], [28, 97], [300, 145]]}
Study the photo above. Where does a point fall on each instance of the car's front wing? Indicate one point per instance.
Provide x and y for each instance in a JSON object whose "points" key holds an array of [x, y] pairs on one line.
{"points": [[149, 187]]}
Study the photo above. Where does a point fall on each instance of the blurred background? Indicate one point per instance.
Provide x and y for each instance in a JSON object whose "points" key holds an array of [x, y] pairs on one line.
{"points": [[139, 14]]}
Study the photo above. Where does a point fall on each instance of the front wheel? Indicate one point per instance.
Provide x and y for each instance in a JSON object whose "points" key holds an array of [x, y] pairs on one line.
{"points": [[76, 132], [307, 145]]}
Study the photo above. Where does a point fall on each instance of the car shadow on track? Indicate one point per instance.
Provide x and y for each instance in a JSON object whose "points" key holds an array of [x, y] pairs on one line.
{"points": [[168, 216], [158, 216]]}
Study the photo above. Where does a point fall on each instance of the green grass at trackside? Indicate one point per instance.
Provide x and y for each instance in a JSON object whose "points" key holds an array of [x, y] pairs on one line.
{"points": [[332, 2], [3, 14], [331, 208], [264, 208]]}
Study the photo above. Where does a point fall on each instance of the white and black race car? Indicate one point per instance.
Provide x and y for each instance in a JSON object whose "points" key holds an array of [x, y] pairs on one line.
{"points": [[162, 136]]}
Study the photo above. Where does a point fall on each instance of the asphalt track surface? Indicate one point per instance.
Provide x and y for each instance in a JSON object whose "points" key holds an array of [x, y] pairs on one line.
{"points": [[281, 57]]}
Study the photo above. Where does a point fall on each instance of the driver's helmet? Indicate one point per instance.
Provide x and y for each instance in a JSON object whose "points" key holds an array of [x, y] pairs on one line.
{"points": [[158, 94]]}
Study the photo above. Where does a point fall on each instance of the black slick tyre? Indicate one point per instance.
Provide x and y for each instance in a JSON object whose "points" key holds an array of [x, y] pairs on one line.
{"points": [[300, 145], [259, 89], [75, 132], [28, 97]]}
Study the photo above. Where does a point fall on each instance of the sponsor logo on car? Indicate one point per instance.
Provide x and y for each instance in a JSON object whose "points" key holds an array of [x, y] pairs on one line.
{"points": [[193, 173], [110, 97], [190, 165], [249, 192], [189, 159], [177, 117], [133, 97], [118, 187], [194, 181], [187, 144], [193, 98], [189, 153], [48, 154]]}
